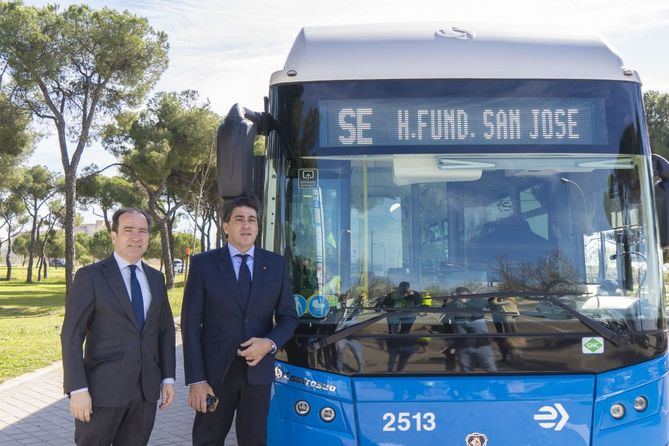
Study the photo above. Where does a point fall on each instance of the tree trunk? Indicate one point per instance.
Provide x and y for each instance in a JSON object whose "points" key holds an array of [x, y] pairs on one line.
{"points": [[162, 223], [170, 233], [8, 259], [31, 246], [167, 256], [45, 260], [105, 214], [206, 227], [210, 221], [40, 258], [70, 197], [50, 225], [203, 240], [219, 225]]}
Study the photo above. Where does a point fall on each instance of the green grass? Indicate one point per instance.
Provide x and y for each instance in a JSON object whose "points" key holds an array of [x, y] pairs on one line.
{"points": [[31, 316], [175, 295], [30, 319]]}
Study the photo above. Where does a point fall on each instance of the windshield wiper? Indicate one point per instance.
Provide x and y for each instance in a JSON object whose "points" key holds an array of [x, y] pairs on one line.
{"points": [[506, 294], [345, 332], [594, 325], [353, 329], [613, 337]]}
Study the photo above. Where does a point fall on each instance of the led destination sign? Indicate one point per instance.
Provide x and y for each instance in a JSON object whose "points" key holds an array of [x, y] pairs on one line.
{"points": [[462, 121]]}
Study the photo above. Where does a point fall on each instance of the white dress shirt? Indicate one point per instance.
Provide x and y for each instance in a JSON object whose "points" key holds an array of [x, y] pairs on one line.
{"points": [[237, 261], [124, 266]]}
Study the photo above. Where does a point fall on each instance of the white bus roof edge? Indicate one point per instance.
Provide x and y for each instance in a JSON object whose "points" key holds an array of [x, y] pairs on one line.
{"points": [[448, 51]]}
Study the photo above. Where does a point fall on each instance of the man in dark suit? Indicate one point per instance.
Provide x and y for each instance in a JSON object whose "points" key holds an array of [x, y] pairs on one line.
{"points": [[119, 307], [238, 309]]}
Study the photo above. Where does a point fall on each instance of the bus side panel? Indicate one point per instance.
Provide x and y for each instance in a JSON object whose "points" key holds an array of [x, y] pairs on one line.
{"points": [[286, 427], [319, 390]]}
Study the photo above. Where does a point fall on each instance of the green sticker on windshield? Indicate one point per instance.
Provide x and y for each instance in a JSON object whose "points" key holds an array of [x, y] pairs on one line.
{"points": [[592, 345]]}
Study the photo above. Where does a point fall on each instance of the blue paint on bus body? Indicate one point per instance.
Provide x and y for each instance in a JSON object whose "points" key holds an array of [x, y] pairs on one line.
{"points": [[511, 410]]}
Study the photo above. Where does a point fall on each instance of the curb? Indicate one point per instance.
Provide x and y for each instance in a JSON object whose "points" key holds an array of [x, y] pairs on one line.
{"points": [[13, 382]]}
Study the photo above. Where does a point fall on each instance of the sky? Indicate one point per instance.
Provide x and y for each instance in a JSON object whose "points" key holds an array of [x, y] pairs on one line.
{"points": [[227, 50]]}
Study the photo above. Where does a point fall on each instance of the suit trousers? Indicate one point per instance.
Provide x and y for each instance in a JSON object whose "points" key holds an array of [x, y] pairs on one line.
{"points": [[251, 402], [123, 426]]}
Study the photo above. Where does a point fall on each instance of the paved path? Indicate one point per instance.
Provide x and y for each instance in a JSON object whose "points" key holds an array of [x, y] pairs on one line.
{"points": [[33, 411]]}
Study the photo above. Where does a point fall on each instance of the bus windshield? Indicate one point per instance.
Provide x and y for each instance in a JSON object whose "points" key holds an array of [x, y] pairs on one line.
{"points": [[416, 249]]}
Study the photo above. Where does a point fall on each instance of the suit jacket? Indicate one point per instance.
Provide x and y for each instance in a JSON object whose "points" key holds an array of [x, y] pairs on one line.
{"points": [[214, 319], [117, 355]]}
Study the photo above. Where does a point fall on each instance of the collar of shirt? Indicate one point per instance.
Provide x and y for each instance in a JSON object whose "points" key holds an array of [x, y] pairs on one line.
{"points": [[237, 261], [123, 263], [234, 251], [141, 278]]}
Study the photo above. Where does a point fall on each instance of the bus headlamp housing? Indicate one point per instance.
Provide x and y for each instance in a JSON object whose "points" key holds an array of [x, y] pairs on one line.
{"points": [[302, 408], [328, 414], [617, 411], [630, 406], [640, 403]]}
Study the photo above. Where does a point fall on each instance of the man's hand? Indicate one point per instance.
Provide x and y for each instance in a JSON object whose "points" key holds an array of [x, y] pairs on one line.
{"points": [[167, 394], [254, 350], [197, 396], [81, 406]]}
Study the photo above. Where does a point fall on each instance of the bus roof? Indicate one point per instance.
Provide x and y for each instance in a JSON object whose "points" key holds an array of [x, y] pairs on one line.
{"points": [[440, 51]]}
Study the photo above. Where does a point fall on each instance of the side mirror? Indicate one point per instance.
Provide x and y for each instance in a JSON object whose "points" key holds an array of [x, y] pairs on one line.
{"points": [[661, 179], [234, 149], [234, 152]]}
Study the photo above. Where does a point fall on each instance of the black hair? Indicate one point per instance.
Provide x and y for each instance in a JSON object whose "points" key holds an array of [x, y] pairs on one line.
{"points": [[241, 201], [122, 211]]}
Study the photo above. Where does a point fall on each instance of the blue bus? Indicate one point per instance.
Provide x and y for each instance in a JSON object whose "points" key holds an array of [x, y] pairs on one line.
{"points": [[474, 224]]}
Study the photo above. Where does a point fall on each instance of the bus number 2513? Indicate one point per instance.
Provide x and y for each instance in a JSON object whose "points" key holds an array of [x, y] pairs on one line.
{"points": [[405, 421]]}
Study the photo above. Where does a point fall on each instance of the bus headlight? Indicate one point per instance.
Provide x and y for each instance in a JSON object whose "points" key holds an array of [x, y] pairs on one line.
{"points": [[617, 411], [328, 414], [302, 408], [640, 403]]}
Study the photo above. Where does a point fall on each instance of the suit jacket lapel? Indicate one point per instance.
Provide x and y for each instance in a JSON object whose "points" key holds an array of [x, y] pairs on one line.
{"points": [[112, 275], [156, 289], [259, 272], [228, 271]]}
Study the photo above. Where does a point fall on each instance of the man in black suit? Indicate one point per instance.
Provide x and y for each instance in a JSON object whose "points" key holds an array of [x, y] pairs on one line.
{"points": [[119, 307], [238, 309]]}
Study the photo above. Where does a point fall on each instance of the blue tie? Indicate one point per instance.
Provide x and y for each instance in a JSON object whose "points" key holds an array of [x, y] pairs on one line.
{"points": [[136, 297], [244, 278]]}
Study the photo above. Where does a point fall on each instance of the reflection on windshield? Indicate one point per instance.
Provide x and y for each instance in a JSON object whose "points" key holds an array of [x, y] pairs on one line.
{"points": [[524, 224], [469, 352], [378, 234], [400, 349]]}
